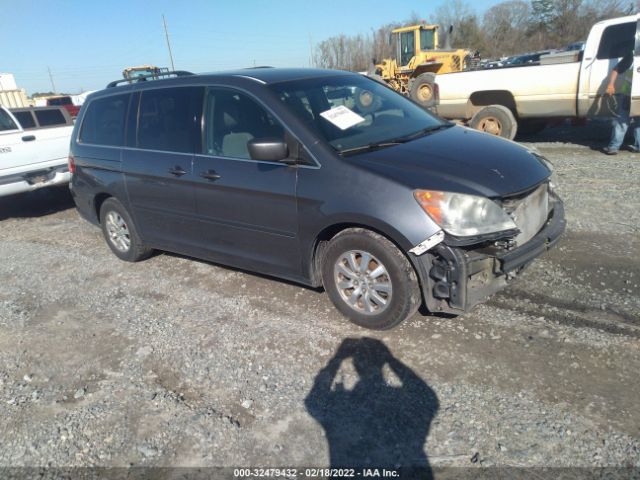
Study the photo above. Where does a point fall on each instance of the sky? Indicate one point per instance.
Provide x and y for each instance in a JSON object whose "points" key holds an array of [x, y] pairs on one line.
{"points": [[87, 44]]}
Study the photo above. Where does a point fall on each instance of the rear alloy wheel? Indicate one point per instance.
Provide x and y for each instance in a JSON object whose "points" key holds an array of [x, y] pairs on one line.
{"points": [[120, 232], [369, 280], [496, 120]]}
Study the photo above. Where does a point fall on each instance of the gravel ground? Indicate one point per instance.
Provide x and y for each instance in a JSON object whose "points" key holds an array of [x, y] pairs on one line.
{"points": [[179, 362]]}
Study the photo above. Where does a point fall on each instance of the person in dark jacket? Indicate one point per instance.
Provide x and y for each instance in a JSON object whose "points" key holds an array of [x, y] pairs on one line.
{"points": [[619, 88]]}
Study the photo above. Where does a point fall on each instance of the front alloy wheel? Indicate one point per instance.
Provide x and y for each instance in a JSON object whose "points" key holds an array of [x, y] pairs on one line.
{"points": [[369, 280], [363, 282]]}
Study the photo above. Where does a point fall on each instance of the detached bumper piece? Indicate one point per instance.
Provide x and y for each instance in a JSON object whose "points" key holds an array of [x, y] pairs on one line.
{"points": [[461, 277]]}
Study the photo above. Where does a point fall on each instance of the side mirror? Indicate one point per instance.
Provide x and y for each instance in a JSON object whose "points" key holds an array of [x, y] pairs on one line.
{"points": [[268, 149]]}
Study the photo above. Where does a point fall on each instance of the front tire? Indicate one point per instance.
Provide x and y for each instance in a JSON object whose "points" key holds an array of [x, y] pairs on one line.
{"points": [[422, 90], [120, 232], [369, 280]]}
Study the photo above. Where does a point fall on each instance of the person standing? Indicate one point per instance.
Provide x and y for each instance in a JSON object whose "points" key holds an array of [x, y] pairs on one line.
{"points": [[622, 74]]}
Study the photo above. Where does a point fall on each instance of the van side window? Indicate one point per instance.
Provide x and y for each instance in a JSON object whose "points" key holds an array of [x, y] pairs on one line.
{"points": [[103, 123], [6, 122], [617, 41], [232, 119], [25, 118], [49, 118], [169, 119]]}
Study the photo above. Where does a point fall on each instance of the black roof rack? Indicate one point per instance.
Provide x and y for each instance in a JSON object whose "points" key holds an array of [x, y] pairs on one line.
{"points": [[176, 73]]}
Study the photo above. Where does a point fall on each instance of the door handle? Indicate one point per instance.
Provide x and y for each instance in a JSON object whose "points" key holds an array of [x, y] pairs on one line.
{"points": [[177, 171], [28, 138], [210, 175]]}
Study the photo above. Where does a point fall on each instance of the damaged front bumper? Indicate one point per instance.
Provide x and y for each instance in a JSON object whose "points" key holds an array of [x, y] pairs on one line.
{"points": [[456, 278]]}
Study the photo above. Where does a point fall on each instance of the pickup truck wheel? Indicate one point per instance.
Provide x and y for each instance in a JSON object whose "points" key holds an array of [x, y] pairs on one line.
{"points": [[496, 120], [120, 232], [369, 280], [422, 90]]}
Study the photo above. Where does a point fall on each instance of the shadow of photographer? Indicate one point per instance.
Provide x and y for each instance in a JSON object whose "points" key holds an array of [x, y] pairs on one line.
{"points": [[380, 420]]}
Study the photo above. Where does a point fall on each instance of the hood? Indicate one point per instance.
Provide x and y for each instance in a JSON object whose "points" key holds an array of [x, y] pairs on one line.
{"points": [[459, 160]]}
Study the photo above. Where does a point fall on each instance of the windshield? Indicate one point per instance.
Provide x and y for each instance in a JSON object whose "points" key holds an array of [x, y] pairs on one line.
{"points": [[354, 111]]}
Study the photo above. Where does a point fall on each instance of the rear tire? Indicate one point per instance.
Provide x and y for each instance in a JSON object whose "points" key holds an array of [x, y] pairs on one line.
{"points": [[120, 232], [422, 90], [497, 120], [369, 280]]}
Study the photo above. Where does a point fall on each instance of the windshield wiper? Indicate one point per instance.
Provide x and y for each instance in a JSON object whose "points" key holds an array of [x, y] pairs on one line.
{"points": [[395, 141], [423, 132], [369, 147]]}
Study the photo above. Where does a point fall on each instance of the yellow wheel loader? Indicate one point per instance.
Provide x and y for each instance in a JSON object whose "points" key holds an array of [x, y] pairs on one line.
{"points": [[418, 58]]}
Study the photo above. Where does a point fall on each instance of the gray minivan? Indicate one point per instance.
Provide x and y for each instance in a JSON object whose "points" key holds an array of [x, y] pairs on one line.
{"points": [[326, 178]]}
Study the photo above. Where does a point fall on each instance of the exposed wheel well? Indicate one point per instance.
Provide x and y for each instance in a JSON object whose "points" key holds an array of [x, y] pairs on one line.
{"points": [[477, 100], [98, 201]]}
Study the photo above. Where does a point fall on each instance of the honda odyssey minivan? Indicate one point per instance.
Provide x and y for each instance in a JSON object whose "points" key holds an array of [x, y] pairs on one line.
{"points": [[326, 178]]}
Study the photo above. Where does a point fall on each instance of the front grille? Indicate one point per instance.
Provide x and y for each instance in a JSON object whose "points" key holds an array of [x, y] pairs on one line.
{"points": [[530, 213]]}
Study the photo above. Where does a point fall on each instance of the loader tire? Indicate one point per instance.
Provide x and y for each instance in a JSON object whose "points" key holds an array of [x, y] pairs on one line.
{"points": [[422, 90]]}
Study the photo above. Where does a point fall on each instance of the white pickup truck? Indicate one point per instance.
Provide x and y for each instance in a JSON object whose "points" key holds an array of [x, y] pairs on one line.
{"points": [[565, 85], [34, 148]]}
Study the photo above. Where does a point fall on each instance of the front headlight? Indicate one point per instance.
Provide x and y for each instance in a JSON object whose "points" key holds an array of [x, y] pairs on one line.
{"points": [[464, 215]]}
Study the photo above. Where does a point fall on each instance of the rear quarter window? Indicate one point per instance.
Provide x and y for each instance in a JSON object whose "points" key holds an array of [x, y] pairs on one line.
{"points": [[49, 118], [26, 119], [103, 124]]}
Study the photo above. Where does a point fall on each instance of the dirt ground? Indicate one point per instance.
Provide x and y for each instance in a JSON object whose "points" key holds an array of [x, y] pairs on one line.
{"points": [[179, 362]]}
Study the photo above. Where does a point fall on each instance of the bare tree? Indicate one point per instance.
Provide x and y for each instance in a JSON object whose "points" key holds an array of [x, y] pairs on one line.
{"points": [[505, 25], [456, 13]]}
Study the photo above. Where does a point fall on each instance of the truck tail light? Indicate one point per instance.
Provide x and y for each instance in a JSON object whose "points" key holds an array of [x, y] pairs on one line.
{"points": [[72, 165]]}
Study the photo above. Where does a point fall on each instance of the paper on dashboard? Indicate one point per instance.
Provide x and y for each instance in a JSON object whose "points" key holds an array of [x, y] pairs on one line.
{"points": [[342, 117]]}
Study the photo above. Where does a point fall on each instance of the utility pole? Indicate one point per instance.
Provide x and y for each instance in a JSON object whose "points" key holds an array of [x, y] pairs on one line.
{"points": [[53, 85], [166, 34], [310, 51]]}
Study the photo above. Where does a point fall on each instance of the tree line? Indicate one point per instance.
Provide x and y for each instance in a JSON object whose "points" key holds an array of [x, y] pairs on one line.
{"points": [[508, 28]]}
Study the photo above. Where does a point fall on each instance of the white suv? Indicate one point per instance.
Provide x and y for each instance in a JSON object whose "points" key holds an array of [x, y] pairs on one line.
{"points": [[34, 147]]}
